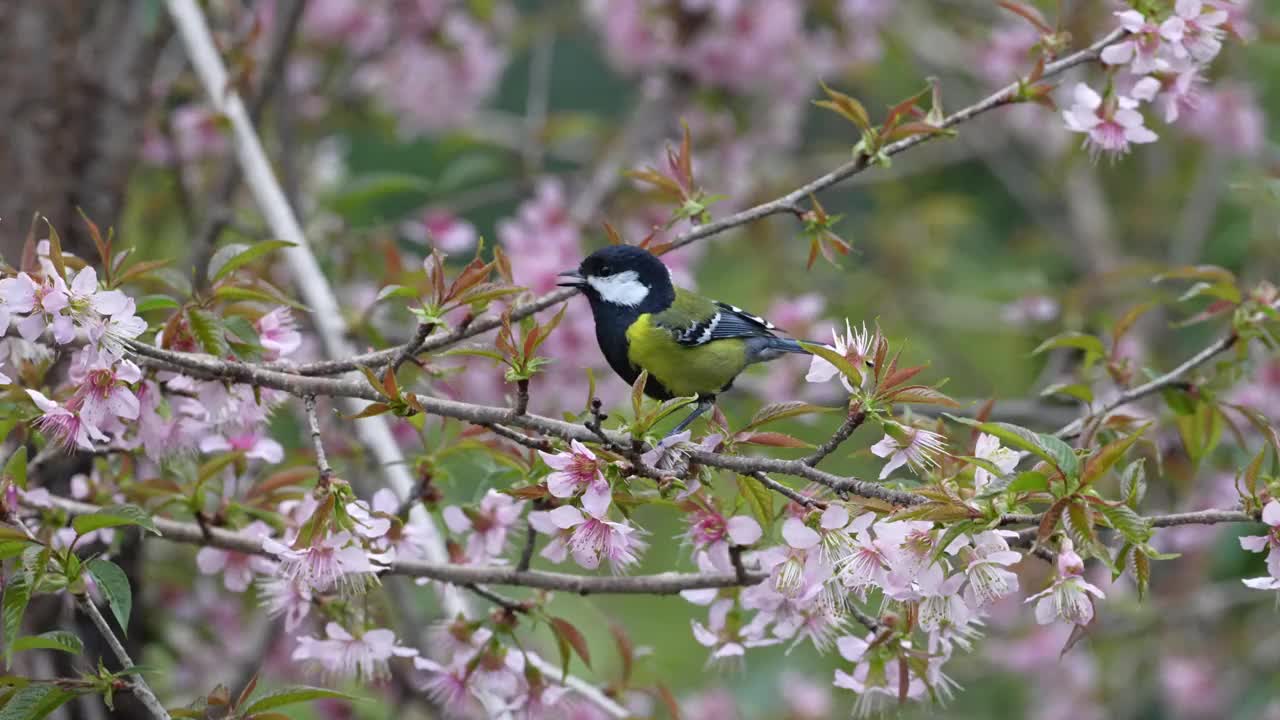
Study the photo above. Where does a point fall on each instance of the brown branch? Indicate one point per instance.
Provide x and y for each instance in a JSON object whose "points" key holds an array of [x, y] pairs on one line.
{"points": [[462, 575], [213, 368], [852, 422], [789, 203], [322, 460], [1170, 378]]}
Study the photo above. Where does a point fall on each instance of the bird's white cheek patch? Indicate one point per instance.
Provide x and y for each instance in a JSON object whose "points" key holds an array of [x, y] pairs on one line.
{"points": [[623, 288]]}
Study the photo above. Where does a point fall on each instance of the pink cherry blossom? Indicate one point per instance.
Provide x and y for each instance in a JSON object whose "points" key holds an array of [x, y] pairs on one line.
{"points": [[104, 394], [486, 527], [912, 447], [711, 533], [65, 425], [1007, 53], [856, 346], [50, 299], [287, 598], [557, 550], [940, 603], [17, 296], [1201, 36], [988, 448], [1141, 48], [595, 539], [1067, 599], [1110, 126], [369, 525], [1270, 544], [804, 698], [989, 578], [1228, 119], [726, 644], [328, 563], [450, 686], [237, 568], [577, 469], [253, 443], [278, 333], [340, 655], [444, 230]]}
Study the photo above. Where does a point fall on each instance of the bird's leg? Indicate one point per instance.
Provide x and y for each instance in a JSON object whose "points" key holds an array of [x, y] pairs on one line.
{"points": [[704, 404]]}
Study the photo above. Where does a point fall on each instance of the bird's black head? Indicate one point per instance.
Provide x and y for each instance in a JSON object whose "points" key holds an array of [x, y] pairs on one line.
{"points": [[623, 275]]}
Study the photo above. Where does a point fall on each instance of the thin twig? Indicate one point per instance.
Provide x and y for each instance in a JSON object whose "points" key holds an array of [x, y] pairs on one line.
{"points": [[318, 294], [526, 551], [210, 367], [140, 688], [218, 215], [313, 423], [852, 422], [1172, 377], [789, 203]]}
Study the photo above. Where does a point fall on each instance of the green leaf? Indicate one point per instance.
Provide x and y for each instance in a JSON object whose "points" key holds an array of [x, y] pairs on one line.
{"points": [[55, 250], [1080, 524], [114, 585], [637, 395], [52, 640], [12, 548], [1062, 455], [114, 516], [236, 293], [774, 412], [396, 291], [842, 364], [1029, 481], [1108, 455], [1133, 482], [374, 199], [156, 302], [216, 464], [758, 498], [17, 593], [292, 696], [1049, 448], [231, 257], [1089, 343], [16, 468], [1079, 391], [923, 395], [208, 329], [35, 702], [1141, 571], [1135, 528]]}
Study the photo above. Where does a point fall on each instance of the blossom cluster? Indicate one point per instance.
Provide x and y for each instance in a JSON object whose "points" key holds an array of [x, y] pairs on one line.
{"points": [[1162, 61]]}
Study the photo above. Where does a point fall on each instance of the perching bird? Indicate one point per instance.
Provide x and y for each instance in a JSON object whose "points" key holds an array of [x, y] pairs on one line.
{"points": [[690, 345]]}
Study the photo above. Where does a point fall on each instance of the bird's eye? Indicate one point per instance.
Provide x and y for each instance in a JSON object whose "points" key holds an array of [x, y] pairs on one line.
{"points": [[605, 270]]}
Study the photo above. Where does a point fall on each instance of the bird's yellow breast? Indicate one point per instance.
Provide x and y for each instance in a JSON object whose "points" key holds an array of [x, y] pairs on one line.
{"points": [[702, 370]]}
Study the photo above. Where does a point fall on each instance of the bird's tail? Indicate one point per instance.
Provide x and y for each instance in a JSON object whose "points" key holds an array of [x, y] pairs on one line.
{"points": [[787, 345]]}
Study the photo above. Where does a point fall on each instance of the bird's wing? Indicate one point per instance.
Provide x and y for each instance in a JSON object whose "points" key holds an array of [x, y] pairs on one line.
{"points": [[694, 321]]}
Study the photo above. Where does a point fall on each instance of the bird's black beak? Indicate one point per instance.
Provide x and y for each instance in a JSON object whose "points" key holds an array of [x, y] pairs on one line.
{"points": [[572, 278]]}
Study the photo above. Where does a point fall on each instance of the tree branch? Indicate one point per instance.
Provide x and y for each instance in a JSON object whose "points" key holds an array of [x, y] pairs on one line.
{"points": [[1172, 377], [316, 291], [852, 422], [140, 688], [455, 574], [789, 203], [214, 368]]}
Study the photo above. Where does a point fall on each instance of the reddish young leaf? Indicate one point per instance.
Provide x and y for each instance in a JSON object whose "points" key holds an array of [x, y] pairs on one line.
{"points": [[565, 629]]}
